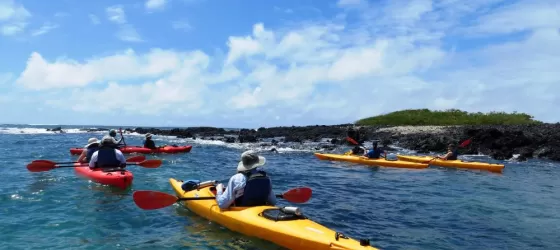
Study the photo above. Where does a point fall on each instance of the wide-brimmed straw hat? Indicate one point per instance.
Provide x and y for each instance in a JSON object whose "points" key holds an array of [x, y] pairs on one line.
{"points": [[92, 141], [250, 161]]}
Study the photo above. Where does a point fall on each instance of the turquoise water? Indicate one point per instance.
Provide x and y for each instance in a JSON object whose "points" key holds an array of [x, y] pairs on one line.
{"points": [[434, 208]]}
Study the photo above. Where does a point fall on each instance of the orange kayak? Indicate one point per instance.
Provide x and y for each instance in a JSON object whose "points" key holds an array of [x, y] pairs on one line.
{"points": [[371, 162]]}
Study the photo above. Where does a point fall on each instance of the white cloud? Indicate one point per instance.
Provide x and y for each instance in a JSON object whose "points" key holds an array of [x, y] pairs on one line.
{"points": [[47, 27], [116, 14], [519, 16], [284, 10], [348, 2], [181, 25], [94, 19], [61, 14], [395, 57], [126, 32], [13, 18], [154, 5], [41, 74]]}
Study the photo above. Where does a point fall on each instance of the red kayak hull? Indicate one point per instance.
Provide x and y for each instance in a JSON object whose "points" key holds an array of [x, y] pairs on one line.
{"points": [[121, 179], [143, 150]]}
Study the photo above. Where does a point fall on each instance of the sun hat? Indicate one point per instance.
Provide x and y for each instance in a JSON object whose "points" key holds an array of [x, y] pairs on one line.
{"points": [[92, 141], [148, 135], [108, 140], [250, 161]]}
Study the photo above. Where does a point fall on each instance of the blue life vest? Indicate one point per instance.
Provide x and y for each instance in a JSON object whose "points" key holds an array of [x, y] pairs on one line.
{"points": [[107, 158], [454, 155], [374, 153], [90, 150], [257, 190]]}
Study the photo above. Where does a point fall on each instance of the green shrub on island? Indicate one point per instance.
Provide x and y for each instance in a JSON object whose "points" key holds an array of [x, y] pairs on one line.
{"points": [[447, 117]]}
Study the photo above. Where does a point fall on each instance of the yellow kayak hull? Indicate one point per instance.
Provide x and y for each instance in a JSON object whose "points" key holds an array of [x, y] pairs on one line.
{"points": [[453, 163], [292, 234], [371, 162]]}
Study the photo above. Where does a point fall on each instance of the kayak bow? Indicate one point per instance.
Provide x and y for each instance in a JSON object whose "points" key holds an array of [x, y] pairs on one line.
{"points": [[453, 163], [121, 178]]}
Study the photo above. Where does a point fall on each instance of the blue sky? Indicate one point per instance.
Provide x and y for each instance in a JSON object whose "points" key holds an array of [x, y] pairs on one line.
{"points": [[268, 63]]}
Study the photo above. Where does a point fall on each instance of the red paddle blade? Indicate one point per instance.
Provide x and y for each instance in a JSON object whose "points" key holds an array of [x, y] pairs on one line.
{"points": [[351, 140], [298, 195], [149, 200], [465, 143], [138, 158], [40, 166], [47, 161], [154, 163]]}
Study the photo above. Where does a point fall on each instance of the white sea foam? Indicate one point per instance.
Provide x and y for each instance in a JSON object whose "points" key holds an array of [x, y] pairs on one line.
{"points": [[15, 131]]}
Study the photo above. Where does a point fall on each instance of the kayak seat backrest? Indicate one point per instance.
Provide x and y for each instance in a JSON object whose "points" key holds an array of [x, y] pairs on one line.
{"points": [[256, 192]]}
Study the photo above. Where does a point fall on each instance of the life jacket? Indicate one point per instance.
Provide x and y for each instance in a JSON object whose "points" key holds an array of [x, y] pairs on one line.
{"points": [[90, 150], [107, 158], [149, 144], [454, 155], [257, 190], [374, 153]]}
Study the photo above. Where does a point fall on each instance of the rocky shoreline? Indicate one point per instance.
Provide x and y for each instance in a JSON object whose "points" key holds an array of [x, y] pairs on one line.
{"points": [[498, 141]]}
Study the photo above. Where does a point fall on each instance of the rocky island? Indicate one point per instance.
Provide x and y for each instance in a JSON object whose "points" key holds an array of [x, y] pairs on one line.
{"points": [[497, 134]]}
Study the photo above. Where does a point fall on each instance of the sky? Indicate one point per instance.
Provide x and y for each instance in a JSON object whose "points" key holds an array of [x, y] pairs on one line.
{"points": [[253, 63]]}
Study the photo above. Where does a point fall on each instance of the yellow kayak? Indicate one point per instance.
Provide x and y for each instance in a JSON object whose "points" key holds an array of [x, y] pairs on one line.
{"points": [[372, 162], [292, 233], [453, 163]]}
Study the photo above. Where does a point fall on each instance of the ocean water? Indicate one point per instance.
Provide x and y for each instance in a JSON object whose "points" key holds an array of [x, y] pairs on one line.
{"points": [[434, 208]]}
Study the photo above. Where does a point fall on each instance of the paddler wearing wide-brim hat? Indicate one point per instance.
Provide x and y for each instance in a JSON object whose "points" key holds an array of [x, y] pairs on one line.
{"points": [[92, 146], [249, 186]]}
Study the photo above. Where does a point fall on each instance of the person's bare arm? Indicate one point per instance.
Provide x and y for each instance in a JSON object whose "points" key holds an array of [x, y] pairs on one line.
{"points": [[82, 156]]}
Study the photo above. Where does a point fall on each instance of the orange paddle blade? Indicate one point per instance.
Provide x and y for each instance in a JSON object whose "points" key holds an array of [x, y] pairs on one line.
{"points": [[40, 166], [351, 140], [154, 163], [149, 200], [138, 158], [298, 195]]}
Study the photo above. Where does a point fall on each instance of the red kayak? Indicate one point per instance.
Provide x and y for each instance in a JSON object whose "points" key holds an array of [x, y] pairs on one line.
{"points": [[143, 150], [121, 178]]}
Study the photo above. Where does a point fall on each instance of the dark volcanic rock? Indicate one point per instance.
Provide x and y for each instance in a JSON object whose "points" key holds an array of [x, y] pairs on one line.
{"points": [[500, 141], [247, 138], [55, 129]]}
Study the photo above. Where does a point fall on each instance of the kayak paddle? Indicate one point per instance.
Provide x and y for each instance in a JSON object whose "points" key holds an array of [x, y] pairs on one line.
{"points": [[46, 166], [138, 158], [122, 137], [465, 143], [352, 140], [148, 200]]}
